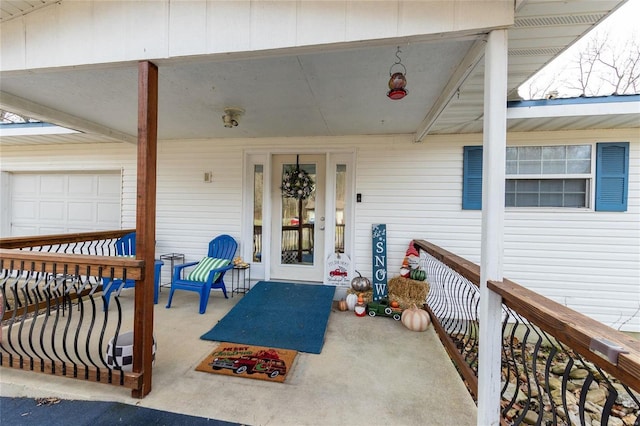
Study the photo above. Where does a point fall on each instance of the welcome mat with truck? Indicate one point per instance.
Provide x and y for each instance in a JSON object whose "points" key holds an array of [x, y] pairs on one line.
{"points": [[255, 362]]}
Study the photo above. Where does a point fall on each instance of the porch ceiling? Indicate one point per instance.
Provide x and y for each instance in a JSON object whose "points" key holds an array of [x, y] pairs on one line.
{"points": [[11, 9], [324, 91]]}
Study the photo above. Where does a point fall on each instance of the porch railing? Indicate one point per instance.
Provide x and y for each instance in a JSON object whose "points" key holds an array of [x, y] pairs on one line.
{"points": [[100, 243], [558, 367], [53, 309]]}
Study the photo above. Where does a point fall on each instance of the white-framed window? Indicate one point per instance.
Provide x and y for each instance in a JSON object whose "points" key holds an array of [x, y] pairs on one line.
{"points": [[549, 176]]}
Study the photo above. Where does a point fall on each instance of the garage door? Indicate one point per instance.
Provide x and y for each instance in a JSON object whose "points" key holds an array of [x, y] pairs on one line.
{"points": [[60, 203]]}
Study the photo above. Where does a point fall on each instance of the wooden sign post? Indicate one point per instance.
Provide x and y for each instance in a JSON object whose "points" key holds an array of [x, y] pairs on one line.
{"points": [[379, 249]]}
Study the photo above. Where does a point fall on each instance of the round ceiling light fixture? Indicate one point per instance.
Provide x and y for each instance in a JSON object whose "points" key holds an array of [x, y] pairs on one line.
{"points": [[231, 116]]}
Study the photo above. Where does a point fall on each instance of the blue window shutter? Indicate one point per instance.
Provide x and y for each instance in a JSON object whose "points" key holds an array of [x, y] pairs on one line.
{"points": [[612, 176], [472, 178]]}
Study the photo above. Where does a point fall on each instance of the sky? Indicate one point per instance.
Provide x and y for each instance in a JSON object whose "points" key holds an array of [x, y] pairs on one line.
{"points": [[622, 25]]}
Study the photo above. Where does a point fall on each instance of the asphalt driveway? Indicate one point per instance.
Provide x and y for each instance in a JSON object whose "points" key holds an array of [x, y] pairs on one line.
{"points": [[56, 412]]}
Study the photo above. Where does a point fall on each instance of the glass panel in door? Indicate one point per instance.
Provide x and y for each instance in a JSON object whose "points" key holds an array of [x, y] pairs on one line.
{"points": [[341, 191], [298, 230], [258, 193], [298, 216]]}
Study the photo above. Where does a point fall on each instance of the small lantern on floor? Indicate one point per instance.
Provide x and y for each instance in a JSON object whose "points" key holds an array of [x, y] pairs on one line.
{"points": [[397, 80]]}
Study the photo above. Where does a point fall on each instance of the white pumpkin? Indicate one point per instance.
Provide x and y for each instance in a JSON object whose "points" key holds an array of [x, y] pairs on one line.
{"points": [[415, 319], [352, 299]]}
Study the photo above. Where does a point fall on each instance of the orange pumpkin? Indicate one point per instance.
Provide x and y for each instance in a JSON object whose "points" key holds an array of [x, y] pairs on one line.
{"points": [[395, 304], [342, 305]]}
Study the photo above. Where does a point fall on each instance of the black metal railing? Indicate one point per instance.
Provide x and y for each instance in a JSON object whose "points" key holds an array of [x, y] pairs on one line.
{"points": [[55, 318], [551, 372], [100, 243]]}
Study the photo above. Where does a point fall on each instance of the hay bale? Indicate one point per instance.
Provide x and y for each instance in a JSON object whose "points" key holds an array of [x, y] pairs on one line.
{"points": [[406, 288], [403, 290]]}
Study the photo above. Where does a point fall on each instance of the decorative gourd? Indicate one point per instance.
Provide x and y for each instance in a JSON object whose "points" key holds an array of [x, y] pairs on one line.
{"points": [[418, 275], [394, 304], [352, 299], [342, 305], [360, 283], [415, 319]]}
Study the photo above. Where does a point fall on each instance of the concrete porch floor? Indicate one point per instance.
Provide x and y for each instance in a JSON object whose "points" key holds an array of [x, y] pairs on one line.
{"points": [[370, 371]]}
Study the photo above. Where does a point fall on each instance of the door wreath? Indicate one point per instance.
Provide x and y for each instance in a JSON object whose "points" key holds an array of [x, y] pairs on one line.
{"points": [[296, 183]]}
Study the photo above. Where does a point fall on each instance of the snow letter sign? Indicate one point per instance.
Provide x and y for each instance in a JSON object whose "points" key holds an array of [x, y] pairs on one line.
{"points": [[379, 249]]}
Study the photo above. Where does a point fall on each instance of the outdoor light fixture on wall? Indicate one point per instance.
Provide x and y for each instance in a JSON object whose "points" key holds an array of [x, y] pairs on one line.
{"points": [[231, 116], [397, 80]]}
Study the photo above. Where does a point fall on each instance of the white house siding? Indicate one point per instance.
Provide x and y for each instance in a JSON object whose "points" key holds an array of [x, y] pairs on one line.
{"points": [[588, 260], [92, 32], [190, 211]]}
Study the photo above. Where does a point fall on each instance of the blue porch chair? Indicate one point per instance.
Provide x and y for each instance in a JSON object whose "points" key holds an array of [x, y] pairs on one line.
{"points": [[126, 246], [208, 273]]}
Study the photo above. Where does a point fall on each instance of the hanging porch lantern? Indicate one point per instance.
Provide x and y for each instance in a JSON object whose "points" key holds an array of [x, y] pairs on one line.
{"points": [[397, 80]]}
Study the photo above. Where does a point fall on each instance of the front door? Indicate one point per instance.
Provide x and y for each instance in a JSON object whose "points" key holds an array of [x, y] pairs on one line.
{"points": [[298, 225]]}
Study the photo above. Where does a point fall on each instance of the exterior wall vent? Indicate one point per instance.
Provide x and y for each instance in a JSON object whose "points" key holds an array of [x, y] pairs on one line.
{"points": [[548, 21], [546, 51]]}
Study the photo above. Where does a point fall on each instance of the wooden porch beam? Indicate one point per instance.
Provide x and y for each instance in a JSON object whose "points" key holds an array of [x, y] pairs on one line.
{"points": [[145, 222], [77, 264]]}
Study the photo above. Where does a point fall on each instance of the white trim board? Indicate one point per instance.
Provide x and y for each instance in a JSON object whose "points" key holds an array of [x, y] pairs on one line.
{"points": [[573, 110]]}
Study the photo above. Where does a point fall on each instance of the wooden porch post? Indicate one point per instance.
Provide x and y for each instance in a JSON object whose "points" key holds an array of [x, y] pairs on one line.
{"points": [[492, 246], [145, 222]]}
